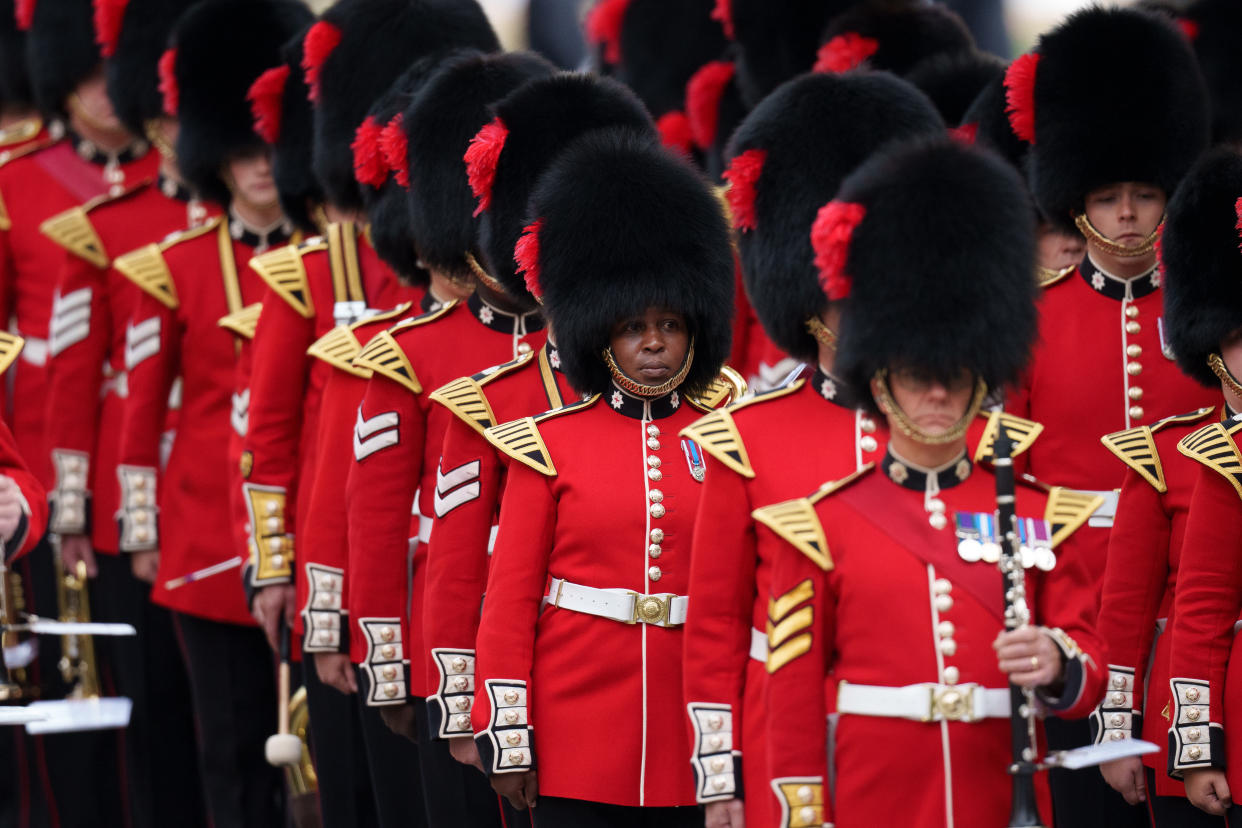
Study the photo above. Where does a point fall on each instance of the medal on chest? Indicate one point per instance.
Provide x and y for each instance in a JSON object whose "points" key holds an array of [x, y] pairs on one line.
{"points": [[979, 539]]}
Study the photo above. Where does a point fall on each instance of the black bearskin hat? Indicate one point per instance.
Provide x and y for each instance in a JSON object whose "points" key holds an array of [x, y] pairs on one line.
{"points": [[1086, 129], [132, 35], [955, 79], [283, 119], [776, 41], [208, 93], [987, 119], [439, 124], [602, 246], [892, 36], [532, 125], [929, 287], [14, 75], [787, 159], [1201, 263], [1215, 30], [60, 49], [355, 53]]}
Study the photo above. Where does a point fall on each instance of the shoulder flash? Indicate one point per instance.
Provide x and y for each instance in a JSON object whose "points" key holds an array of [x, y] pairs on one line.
{"points": [[1068, 509], [770, 394], [1023, 432], [1189, 417], [384, 356], [282, 270], [23, 130], [10, 347], [717, 435], [424, 318], [243, 322], [73, 231], [391, 313], [339, 348], [1215, 446], [464, 397], [728, 386], [189, 233], [1049, 277], [146, 268], [1137, 449], [503, 369], [796, 522], [521, 440]]}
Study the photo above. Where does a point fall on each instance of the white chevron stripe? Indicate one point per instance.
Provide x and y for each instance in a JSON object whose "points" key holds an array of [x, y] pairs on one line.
{"points": [[240, 415], [460, 485], [71, 319], [375, 434], [141, 341]]}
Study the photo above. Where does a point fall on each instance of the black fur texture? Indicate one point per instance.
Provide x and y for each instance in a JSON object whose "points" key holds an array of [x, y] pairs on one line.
{"points": [[816, 129], [439, 123], [60, 52], [628, 226], [663, 43], [15, 89], [907, 33], [133, 82], [1202, 265], [955, 79], [296, 184], [778, 40], [543, 117], [1092, 129], [379, 40], [941, 266], [987, 113], [1218, 25]]}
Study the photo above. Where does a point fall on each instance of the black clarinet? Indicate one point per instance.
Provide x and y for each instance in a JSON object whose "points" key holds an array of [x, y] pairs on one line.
{"points": [[1022, 811]]}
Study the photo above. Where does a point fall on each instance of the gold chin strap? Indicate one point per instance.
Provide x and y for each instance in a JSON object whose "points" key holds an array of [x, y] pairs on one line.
{"points": [[1226, 376], [152, 130], [907, 426], [1111, 247], [483, 276], [823, 334], [638, 389]]}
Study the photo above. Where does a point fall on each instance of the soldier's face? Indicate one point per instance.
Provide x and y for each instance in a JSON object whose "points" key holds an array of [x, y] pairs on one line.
{"points": [[1057, 249], [250, 178], [91, 102], [1126, 212], [933, 404], [1231, 352], [650, 347]]}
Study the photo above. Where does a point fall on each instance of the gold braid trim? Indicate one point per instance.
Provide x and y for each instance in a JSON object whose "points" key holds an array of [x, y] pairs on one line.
{"points": [[823, 334], [1221, 370], [907, 426], [639, 389], [1109, 246]]}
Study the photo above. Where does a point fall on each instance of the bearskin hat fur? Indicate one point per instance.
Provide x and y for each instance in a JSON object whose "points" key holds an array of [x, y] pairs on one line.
{"points": [[1201, 262], [291, 152], [954, 80], [376, 40], [130, 68], [1215, 30], [14, 76], [535, 123], [789, 157], [987, 119], [663, 43], [1086, 129], [60, 51], [607, 248], [777, 41], [929, 288], [212, 108], [892, 36]]}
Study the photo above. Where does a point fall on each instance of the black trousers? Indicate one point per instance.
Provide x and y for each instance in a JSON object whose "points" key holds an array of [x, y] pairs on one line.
{"points": [[345, 797], [161, 752], [456, 794], [1081, 798], [394, 765], [233, 686], [556, 812], [1176, 811]]}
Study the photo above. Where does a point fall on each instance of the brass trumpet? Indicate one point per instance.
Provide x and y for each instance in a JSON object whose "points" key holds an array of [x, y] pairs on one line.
{"points": [[78, 665]]}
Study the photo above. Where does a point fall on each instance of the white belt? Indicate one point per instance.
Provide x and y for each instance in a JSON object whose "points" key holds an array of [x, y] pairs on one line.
{"points": [[424, 533], [924, 702], [1103, 516], [35, 351], [626, 606], [758, 646]]}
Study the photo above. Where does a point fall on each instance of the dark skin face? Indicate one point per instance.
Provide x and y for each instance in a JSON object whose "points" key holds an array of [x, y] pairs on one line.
{"points": [[650, 347]]}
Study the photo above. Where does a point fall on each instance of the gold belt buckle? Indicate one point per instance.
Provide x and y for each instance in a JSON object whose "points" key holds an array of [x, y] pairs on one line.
{"points": [[953, 704], [650, 609]]}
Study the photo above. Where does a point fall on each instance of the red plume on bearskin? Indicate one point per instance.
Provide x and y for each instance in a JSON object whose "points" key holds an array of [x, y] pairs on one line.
{"points": [[830, 238], [675, 131], [743, 177], [526, 254], [108, 17], [23, 13], [966, 133], [168, 82], [320, 40], [703, 94], [1237, 209], [845, 52], [1020, 95], [1189, 28], [369, 165], [266, 95], [394, 145], [723, 12], [481, 158], [603, 27]]}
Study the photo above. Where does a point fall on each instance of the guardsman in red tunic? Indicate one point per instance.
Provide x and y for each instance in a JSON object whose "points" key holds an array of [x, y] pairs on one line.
{"points": [[1103, 362], [787, 158], [1201, 268], [888, 578], [178, 522], [23, 501], [577, 704]]}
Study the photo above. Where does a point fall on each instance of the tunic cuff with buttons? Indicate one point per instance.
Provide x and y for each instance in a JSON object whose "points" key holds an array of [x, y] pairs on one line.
{"points": [[70, 498], [801, 800], [449, 707], [137, 516], [1195, 740], [717, 765], [1115, 718], [505, 745], [386, 666], [1075, 673], [270, 559], [323, 617]]}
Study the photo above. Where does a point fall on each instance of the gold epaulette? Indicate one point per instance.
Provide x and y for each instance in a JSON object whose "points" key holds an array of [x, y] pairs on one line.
{"points": [[384, 356], [717, 435], [728, 386], [282, 270], [339, 348], [796, 522], [6, 156], [243, 322], [1048, 277], [146, 268], [10, 347], [1136, 447], [73, 231], [520, 439], [1215, 446], [464, 397], [1021, 431], [23, 130], [1068, 509]]}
